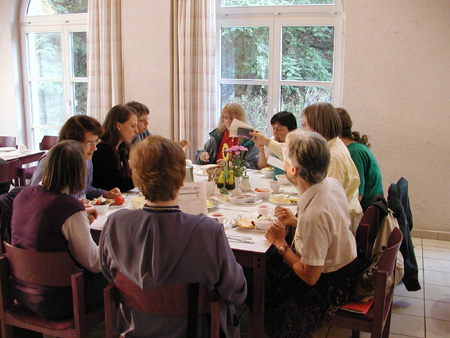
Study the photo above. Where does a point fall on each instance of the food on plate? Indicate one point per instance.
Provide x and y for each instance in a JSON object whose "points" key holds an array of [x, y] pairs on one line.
{"points": [[267, 169], [245, 197], [210, 203], [101, 201], [261, 190], [245, 223], [283, 199], [119, 200]]}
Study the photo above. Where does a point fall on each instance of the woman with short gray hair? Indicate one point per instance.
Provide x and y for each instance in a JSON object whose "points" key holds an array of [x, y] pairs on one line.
{"points": [[311, 278]]}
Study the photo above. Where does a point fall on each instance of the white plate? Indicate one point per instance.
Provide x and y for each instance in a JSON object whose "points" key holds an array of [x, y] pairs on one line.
{"points": [[245, 199], [114, 205], [280, 203], [216, 203]]}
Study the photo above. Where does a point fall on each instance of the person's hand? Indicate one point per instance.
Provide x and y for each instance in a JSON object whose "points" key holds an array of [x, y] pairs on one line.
{"points": [[219, 161], [260, 139], [276, 234], [92, 214], [285, 216], [84, 201], [184, 144], [113, 193], [204, 157]]}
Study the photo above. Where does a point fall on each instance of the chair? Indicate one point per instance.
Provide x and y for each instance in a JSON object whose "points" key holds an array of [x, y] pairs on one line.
{"points": [[8, 141], [6, 207], [47, 143], [9, 171], [40, 268], [378, 318], [167, 299]]}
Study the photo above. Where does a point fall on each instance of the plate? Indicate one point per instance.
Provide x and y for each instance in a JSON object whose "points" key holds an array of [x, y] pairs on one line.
{"points": [[215, 204], [114, 205], [244, 224], [7, 149], [282, 199], [245, 199]]}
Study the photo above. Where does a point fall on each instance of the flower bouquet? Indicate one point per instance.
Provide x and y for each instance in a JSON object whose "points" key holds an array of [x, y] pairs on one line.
{"points": [[233, 166]]}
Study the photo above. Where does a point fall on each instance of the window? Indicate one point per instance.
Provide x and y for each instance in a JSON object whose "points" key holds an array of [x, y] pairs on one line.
{"points": [[284, 61], [53, 39]]}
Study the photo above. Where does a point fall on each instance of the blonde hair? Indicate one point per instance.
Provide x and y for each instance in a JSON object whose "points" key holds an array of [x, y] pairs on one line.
{"points": [[323, 118], [234, 109], [158, 168], [65, 167]]}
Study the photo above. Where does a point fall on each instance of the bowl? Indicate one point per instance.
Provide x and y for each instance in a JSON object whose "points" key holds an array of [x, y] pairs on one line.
{"points": [[267, 172], [264, 209], [262, 193], [101, 209], [282, 179], [263, 223], [138, 202]]}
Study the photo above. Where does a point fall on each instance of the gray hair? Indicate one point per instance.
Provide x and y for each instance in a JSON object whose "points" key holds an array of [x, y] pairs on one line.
{"points": [[309, 153]]}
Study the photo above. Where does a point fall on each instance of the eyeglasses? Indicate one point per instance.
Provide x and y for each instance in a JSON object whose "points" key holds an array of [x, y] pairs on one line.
{"points": [[92, 144]]}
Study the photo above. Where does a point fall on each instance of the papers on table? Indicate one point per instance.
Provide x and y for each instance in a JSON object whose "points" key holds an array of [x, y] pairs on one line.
{"points": [[192, 198], [10, 155], [240, 129]]}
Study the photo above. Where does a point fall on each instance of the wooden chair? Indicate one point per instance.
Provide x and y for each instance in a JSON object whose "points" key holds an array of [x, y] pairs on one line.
{"points": [[49, 269], [25, 173], [167, 299], [378, 318], [8, 171], [8, 141]]}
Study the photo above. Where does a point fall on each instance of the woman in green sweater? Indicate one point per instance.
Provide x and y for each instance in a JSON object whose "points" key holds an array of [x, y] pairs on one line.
{"points": [[369, 172]]}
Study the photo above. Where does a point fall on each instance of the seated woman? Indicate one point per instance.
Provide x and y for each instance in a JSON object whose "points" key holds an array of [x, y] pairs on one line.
{"points": [[282, 124], [307, 283], [47, 218], [161, 244], [142, 112], [369, 172], [212, 151], [85, 130], [322, 118], [111, 168]]}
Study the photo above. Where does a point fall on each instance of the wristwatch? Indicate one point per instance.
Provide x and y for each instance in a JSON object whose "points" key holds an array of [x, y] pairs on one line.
{"points": [[282, 249]]}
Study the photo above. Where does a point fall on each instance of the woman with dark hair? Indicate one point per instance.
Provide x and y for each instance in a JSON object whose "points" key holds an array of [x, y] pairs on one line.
{"points": [[160, 244], [369, 172], [86, 130], [47, 218], [316, 274], [212, 151], [282, 124], [111, 168], [322, 118]]}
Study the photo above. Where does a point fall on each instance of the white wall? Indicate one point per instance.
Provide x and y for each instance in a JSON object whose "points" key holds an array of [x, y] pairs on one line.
{"points": [[147, 47], [396, 88], [8, 120]]}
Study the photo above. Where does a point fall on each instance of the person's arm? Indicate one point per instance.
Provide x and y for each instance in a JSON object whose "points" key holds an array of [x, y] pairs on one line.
{"points": [[232, 285], [83, 248], [277, 236], [37, 175], [262, 159], [203, 156], [276, 148]]}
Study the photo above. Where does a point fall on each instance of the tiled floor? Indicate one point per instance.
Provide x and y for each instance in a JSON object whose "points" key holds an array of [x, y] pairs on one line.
{"points": [[424, 313]]}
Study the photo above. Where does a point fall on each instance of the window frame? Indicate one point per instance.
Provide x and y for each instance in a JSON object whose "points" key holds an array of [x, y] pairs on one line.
{"points": [[63, 24], [275, 22]]}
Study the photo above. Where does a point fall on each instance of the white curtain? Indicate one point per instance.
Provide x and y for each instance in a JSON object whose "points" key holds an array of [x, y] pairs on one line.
{"points": [[104, 57], [194, 70]]}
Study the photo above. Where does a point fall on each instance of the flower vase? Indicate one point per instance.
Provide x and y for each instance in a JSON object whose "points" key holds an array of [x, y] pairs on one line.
{"points": [[229, 182], [237, 187]]}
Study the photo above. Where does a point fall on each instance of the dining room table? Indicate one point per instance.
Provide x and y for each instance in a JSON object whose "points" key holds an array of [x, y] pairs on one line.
{"points": [[23, 157], [249, 246]]}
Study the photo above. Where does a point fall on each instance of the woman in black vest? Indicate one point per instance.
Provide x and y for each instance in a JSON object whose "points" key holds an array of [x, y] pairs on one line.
{"points": [[47, 218]]}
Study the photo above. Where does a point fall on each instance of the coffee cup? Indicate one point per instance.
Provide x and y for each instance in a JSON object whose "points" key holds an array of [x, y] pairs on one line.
{"points": [[263, 209], [275, 186], [219, 217]]}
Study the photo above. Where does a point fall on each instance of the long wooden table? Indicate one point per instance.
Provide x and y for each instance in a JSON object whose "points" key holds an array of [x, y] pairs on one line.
{"points": [[22, 157], [250, 255]]}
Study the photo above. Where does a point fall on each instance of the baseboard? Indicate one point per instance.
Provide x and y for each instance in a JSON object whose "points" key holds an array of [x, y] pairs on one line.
{"points": [[431, 234]]}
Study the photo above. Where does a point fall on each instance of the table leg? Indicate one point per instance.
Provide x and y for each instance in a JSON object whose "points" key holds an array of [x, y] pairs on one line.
{"points": [[259, 272]]}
